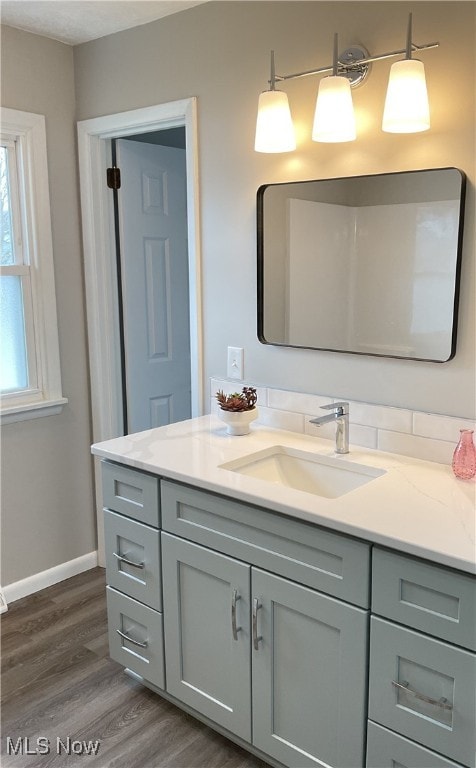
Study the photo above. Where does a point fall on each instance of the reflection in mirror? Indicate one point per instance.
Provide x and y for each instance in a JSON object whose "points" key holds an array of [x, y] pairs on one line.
{"points": [[366, 264]]}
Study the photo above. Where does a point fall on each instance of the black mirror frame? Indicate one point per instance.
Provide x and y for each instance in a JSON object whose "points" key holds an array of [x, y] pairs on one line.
{"points": [[260, 269]]}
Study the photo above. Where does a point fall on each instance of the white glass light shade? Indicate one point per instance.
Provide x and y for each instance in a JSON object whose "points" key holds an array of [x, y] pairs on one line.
{"points": [[334, 118], [274, 126], [406, 104]]}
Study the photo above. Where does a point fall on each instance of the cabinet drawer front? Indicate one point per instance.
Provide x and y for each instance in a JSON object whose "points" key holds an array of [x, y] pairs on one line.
{"points": [[143, 652], [428, 597], [386, 749], [423, 689], [298, 550], [131, 492], [133, 558]]}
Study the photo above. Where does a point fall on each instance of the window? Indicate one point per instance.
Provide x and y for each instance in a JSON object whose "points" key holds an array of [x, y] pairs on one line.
{"points": [[30, 381]]}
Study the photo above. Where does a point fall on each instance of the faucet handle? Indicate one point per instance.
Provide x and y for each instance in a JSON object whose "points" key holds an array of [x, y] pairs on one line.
{"points": [[336, 407]]}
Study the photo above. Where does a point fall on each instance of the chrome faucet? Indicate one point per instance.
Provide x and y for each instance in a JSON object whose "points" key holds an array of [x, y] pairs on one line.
{"points": [[341, 416]]}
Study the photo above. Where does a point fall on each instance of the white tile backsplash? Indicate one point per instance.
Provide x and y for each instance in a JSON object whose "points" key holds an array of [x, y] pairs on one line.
{"points": [[381, 417], [439, 427], [428, 436], [363, 436], [272, 417], [296, 401], [415, 446]]}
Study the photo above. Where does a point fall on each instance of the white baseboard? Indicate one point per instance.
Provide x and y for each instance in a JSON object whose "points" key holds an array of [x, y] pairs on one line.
{"points": [[3, 602], [32, 584]]}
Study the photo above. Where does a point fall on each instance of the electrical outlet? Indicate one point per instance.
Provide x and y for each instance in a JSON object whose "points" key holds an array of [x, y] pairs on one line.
{"points": [[235, 363]]}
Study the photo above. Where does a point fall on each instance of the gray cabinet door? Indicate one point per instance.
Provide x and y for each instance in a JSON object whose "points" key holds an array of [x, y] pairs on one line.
{"points": [[309, 675], [207, 632]]}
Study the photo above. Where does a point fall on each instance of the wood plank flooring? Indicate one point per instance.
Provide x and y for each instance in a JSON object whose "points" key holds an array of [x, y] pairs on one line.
{"points": [[58, 683]]}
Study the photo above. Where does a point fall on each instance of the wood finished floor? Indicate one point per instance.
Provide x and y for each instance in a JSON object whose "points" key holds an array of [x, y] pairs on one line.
{"points": [[58, 682]]}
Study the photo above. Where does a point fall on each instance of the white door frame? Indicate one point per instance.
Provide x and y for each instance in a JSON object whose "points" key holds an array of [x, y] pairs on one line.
{"points": [[99, 247], [100, 253]]}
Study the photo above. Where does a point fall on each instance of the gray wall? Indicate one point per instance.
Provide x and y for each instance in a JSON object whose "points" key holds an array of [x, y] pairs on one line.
{"points": [[219, 52], [47, 497]]}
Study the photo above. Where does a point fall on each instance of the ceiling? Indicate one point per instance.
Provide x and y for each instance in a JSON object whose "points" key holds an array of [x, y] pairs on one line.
{"points": [[77, 21]]}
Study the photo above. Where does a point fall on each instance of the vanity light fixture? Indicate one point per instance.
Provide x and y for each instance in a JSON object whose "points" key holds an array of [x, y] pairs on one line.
{"points": [[274, 126], [334, 118], [406, 105]]}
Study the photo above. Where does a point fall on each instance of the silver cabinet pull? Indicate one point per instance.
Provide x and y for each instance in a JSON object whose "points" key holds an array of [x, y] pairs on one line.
{"points": [[234, 629], [131, 639], [442, 703], [123, 559], [256, 607]]}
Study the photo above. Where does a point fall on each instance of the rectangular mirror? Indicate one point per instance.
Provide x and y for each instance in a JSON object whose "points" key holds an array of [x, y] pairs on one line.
{"points": [[366, 265]]}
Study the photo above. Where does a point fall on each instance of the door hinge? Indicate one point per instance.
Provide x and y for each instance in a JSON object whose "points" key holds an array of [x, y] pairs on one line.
{"points": [[113, 178]]}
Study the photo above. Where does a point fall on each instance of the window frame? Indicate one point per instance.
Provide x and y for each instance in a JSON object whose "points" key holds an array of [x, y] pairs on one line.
{"points": [[20, 267], [44, 395]]}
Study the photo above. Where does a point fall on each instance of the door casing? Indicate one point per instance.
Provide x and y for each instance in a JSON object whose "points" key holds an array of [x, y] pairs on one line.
{"points": [[94, 150]]}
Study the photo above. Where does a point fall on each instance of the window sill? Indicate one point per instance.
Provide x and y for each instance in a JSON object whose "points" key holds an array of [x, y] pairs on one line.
{"points": [[32, 410]]}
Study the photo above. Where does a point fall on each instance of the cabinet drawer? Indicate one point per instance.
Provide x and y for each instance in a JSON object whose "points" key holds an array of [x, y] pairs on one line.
{"points": [[131, 492], [140, 646], [133, 558], [423, 689], [428, 597], [298, 550], [386, 749]]}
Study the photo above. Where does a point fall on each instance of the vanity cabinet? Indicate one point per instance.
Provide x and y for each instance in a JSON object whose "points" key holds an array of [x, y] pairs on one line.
{"points": [[278, 664], [260, 631], [310, 647]]}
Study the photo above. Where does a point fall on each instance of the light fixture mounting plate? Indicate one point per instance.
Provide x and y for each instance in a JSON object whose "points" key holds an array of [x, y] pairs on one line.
{"points": [[350, 67]]}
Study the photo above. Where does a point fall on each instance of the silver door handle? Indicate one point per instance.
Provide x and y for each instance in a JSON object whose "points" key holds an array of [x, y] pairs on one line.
{"points": [[131, 639], [442, 703], [123, 559], [234, 629], [256, 607]]}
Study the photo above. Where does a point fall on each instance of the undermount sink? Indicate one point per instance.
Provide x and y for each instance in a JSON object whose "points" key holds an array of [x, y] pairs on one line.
{"points": [[325, 476]]}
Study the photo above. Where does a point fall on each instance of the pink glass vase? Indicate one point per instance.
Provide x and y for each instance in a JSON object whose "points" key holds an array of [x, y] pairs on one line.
{"points": [[464, 457]]}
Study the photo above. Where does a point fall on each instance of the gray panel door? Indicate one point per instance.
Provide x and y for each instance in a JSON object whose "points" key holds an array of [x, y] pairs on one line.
{"points": [[207, 662], [309, 675], [155, 285]]}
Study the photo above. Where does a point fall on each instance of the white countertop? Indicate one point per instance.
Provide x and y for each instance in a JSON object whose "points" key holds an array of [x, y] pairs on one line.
{"points": [[417, 507]]}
